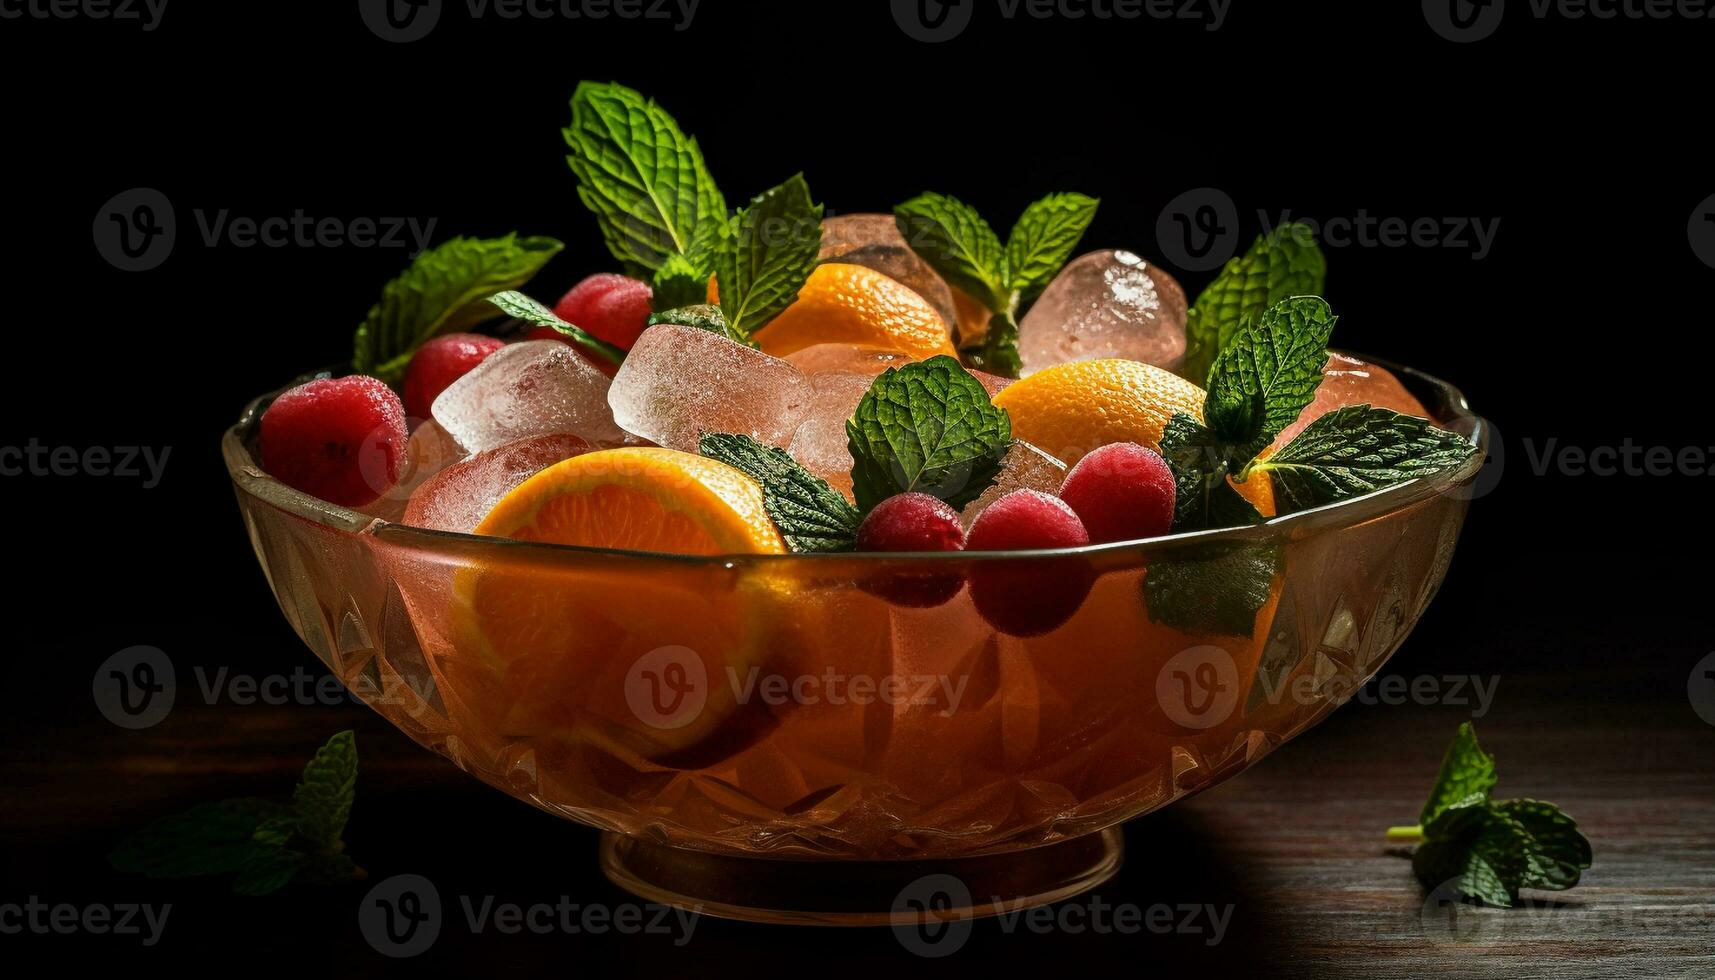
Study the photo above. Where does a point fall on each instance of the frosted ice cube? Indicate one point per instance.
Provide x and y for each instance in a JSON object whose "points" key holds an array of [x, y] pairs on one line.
{"points": [[1349, 381], [821, 445], [460, 496], [539, 387], [680, 382], [846, 359], [430, 451], [873, 241], [1106, 304], [1025, 468]]}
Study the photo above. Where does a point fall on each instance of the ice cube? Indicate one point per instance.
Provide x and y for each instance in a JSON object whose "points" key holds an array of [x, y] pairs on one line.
{"points": [[1106, 304], [680, 382], [873, 241], [430, 451], [1025, 468], [1349, 381], [821, 445], [846, 359], [539, 387], [460, 496]]}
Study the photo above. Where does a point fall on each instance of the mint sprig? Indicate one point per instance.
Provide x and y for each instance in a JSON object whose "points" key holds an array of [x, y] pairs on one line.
{"points": [[1285, 263], [702, 316], [811, 515], [1486, 849], [1357, 450], [678, 283], [1269, 374], [443, 292], [644, 178], [767, 255], [518, 305], [264, 845], [955, 240], [929, 427]]}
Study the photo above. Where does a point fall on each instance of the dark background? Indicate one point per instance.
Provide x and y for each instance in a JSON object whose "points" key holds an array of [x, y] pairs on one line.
{"points": [[1587, 323]]}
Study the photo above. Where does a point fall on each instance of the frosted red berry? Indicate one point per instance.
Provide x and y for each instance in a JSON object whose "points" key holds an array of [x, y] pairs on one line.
{"points": [[440, 362], [1122, 492], [613, 307], [340, 439], [913, 522], [1028, 596]]}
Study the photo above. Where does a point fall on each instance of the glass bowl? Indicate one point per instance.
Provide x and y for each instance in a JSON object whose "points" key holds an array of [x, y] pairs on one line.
{"points": [[787, 739]]}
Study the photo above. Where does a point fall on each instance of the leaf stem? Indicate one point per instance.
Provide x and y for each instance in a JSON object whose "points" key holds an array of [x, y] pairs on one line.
{"points": [[1405, 835]]}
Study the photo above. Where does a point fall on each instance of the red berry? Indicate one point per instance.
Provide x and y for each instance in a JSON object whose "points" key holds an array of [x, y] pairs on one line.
{"points": [[340, 439], [613, 307], [602, 364], [1122, 492], [1028, 596], [438, 364], [913, 522]]}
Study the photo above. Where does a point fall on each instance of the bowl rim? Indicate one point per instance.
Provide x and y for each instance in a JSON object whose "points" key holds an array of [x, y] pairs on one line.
{"points": [[1455, 415]]}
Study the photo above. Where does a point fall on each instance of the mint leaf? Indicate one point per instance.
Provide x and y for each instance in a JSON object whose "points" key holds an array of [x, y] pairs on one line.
{"points": [[1486, 857], [678, 283], [768, 256], [1218, 593], [268, 870], [926, 427], [208, 839], [1268, 374], [442, 292], [1000, 347], [643, 177], [958, 244], [1357, 450], [1044, 238], [1466, 772], [325, 792], [1200, 461], [703, 316], [524, 308], [1283, 264], [1561, 851], [811, 515]]}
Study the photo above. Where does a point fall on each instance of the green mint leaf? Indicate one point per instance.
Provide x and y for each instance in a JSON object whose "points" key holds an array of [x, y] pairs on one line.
{"points": [[768, 256], [1044, 238], [811, 515], [1000, 346], [1200, 461], [524, 308], [1357, 450], [960, 245], [209, 839], [443, 292], [1268, 374], [1561, 852], [927, 427], [1467, 773], [1283, 264], [268, 870], [703, 316], [1217, 594], [643, 177], [678, 283], [324, 795], [1486, 856]]}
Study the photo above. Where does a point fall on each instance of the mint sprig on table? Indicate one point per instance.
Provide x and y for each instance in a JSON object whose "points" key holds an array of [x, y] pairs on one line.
{"points": [[264, 845], [926, 426], [518, 305], [1488, 849], [647, 183], [1282, 264], [957, 243], [443, 291]]}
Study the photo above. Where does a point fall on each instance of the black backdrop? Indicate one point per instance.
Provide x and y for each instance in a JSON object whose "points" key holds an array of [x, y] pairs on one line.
{"points": [[1586, 323]]}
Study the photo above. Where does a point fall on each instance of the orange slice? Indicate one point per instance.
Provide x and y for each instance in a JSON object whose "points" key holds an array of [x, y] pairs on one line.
{"points": [[851, 304]]}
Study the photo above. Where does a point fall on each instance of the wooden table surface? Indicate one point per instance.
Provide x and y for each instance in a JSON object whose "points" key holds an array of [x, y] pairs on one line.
{"points": [[1291, 855]]}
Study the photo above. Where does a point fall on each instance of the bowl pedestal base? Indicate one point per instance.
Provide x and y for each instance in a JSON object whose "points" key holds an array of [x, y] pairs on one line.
{"points": [[861, 893]]}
